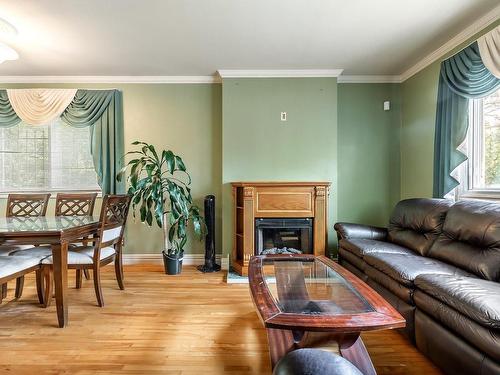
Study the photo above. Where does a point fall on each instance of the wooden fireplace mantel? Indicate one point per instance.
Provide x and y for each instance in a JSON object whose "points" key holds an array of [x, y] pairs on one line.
{"points": [[253, 200]]}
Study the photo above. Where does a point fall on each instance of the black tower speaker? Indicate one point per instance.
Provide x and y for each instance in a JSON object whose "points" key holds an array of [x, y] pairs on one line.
{"points": [[210, 265]]}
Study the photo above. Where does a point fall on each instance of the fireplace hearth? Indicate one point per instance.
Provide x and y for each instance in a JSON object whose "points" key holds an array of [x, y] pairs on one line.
{"points": [[283, 236]]}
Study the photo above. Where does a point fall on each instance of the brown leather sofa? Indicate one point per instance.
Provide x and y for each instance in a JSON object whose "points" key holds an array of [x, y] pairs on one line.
{"points": [[438, 264]]}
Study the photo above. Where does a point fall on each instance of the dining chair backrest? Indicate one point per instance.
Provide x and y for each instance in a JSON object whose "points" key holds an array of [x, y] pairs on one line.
{"points": [[22, 205], [114, 212], [75, 204]]}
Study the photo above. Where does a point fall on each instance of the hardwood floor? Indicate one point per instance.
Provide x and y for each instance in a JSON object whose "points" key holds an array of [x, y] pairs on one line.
{"points": [[189, 324]]}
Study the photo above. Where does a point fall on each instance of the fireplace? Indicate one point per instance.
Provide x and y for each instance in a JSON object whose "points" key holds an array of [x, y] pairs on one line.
{"points": [[283, 236], [276, 215]]}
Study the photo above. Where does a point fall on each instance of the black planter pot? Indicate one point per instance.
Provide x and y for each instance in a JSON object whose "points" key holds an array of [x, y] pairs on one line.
{"points": [[172, 263]]}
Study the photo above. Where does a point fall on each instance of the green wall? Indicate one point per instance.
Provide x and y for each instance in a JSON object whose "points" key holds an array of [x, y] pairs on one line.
{"points": [[258, 146], [419, 97], [183, 117], [233, 132], [368, 152]]}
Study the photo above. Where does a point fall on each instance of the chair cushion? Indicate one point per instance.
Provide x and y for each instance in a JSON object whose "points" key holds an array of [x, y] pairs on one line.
{"points": [[77, 255], [11, 265], [361, 247], [416, 223], [8, 249], [475, 298], [111, 234], [471, 239], [314, 361], [405, 268]]}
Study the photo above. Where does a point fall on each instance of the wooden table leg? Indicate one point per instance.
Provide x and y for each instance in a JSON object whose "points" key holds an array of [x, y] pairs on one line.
{"points": [[355, 352], [60, 268], [280, 343]]}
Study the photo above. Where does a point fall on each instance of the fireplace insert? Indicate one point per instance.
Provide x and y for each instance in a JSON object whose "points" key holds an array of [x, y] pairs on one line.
{"points": [[283, 236]]}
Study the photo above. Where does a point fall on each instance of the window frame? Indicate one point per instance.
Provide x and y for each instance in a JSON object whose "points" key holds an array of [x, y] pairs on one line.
{"points": [[5, 192], [474, 146]]}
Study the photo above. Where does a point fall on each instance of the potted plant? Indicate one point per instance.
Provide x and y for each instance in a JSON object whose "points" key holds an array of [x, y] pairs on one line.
{"points": [[160, 190]]}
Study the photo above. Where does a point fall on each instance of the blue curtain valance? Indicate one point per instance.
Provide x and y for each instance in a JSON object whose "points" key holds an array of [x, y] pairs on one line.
{"points": [[8, 116], [462, 77]]}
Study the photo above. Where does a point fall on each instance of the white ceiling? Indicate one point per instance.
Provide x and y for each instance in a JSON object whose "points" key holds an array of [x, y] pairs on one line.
{"points": [[198, 37]]}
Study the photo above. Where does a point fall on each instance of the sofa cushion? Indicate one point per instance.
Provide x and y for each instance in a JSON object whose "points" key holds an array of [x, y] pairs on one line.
{"points": [[405, 268], [12, 265], [487, 340], [471, 239], [351, 258], [475, 298], [403, 292], [416, 223], [353, 269], [361, 247]]}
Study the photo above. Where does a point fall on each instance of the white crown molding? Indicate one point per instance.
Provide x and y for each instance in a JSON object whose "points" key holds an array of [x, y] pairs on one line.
{"points": [[110, 79], [458, 39], [297, 73], [369, 79]]}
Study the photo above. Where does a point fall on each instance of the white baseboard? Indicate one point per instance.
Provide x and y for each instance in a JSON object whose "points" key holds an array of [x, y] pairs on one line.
{"points": [[189, 259]]}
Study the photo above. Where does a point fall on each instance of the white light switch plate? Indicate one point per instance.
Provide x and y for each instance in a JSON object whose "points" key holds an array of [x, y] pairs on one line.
{"points": [[283, 116]]}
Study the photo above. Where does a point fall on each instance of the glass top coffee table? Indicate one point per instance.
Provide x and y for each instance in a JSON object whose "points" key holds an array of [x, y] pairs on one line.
{"points": [[307, 301]]}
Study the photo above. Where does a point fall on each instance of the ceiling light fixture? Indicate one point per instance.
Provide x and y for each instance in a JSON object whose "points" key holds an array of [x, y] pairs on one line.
{"points": [[7, 53], [7, 30]]}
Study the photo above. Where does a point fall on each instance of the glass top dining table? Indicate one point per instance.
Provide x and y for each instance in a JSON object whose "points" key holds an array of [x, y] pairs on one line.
{"points": [[44, 224], [58, 232]]}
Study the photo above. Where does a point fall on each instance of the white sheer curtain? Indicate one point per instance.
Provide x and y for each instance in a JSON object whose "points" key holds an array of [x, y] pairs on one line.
{"points": [[489, 49]]}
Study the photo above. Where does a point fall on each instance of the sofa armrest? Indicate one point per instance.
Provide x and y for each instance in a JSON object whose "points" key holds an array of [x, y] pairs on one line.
{"points": [[369, 232]]}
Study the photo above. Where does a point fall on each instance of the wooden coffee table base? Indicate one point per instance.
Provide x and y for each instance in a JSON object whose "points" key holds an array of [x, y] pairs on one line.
{"points": [[350, 346]]}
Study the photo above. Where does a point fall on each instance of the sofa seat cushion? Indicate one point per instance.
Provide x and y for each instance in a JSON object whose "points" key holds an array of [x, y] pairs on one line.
{"points": [[475, 298], [351, 258], [12, 265], [405, 268], [361, 247], [403, 292], [77, 255], [485, 339]]}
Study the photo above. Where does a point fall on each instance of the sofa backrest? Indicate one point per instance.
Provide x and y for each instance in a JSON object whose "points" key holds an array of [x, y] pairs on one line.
{"points": [[416, 223], [470, 238]]}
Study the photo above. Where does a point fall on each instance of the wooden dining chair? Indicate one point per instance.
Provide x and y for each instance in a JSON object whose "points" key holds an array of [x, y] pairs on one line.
{"points": [[15, 267], [76, 204], [107, 246], [22, 205]]}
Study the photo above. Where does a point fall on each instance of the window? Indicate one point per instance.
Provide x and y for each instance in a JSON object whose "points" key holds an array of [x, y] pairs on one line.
{"points": [[53, 157], [481, 173]]}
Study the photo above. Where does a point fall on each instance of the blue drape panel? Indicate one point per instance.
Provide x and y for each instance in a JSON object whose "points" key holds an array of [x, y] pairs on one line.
{"points": [[102, 111], [462, 77], [8, 116]]}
